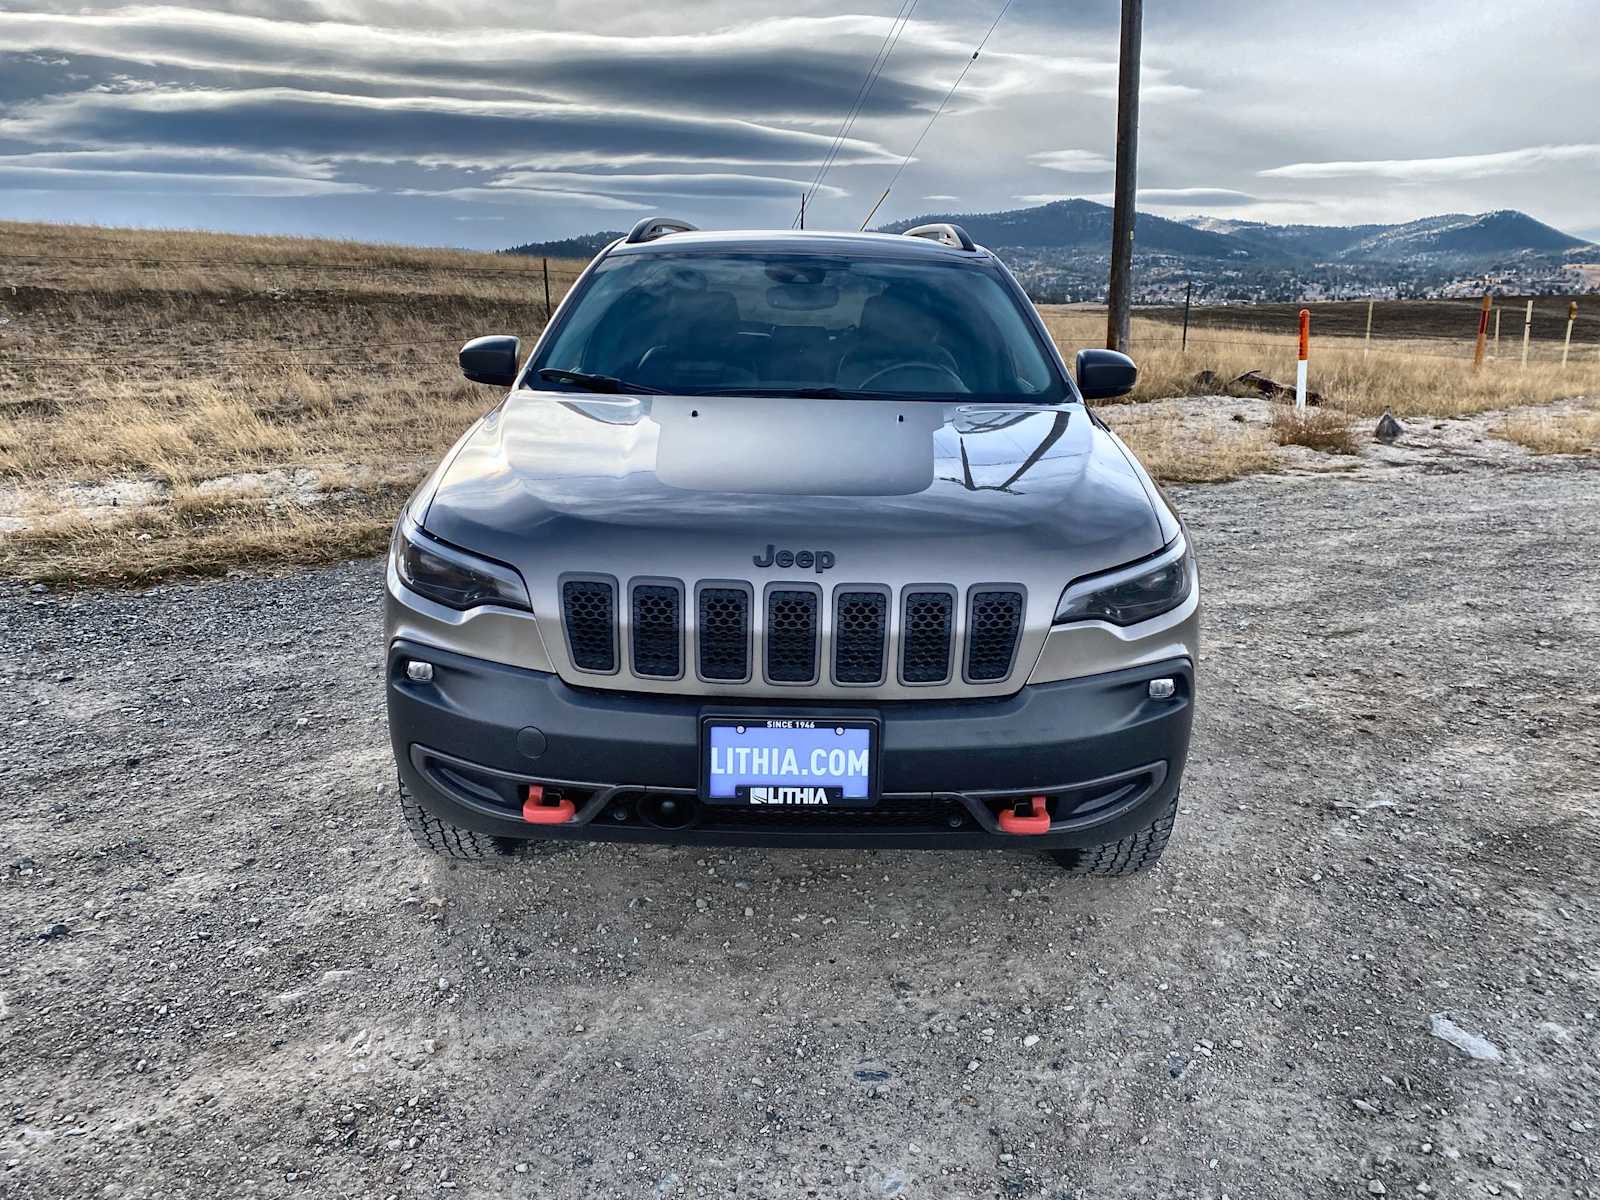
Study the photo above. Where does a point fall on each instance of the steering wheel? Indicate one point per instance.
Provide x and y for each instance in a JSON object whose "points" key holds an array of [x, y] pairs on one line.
{"points": [[939, 368]]}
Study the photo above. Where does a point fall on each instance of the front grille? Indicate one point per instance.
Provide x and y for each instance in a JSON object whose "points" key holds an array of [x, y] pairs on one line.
{"points": [[862, 636], [791, 635], [724, 632], [860, 628], [657, 631], [589, 615], [994, 620], [926, 631]]}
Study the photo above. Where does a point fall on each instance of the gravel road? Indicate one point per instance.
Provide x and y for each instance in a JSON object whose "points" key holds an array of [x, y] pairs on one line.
{"points": [[225, 971]]}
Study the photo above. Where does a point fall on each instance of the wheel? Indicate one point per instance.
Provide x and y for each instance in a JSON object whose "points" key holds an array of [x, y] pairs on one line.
{"points": [[1134, 853], [452, 841]]}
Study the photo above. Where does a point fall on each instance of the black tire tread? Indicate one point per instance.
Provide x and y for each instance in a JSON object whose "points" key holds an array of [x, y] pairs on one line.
{"points": [[447, 840], [1137, 852]]}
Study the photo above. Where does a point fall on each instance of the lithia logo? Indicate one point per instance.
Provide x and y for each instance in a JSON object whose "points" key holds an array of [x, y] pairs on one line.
{"points": [[788, 795], [804, 559]]}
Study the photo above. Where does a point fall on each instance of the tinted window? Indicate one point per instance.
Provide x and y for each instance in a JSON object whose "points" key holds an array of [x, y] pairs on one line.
{"points": [[694, 323]]}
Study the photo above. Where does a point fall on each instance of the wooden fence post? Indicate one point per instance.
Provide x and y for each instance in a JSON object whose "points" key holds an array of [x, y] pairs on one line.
{"points": [[1367, 346], [1566, 347], [1527, 328]]}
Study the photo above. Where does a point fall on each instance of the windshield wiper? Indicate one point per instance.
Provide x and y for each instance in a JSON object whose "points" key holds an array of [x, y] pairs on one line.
{"points": [[595, 383]]}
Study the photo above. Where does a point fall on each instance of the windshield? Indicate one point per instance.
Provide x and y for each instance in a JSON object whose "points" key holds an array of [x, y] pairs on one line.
{"points": [[798, 325]]}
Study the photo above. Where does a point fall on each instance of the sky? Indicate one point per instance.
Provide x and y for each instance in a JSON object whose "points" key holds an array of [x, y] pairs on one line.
{"points": [[492, 122]]}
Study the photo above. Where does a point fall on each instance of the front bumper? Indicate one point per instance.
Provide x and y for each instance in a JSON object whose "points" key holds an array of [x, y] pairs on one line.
{"points": [[1106, 756]]}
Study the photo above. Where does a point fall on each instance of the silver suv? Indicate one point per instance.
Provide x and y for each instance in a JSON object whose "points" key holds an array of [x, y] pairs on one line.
{"points": [[792, 539]]}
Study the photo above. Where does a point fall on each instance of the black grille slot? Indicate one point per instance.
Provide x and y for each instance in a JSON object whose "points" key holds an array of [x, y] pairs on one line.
{"points": [[724, 634], [993, 623], [925, 637], [791, 636], [589, 613], [860, 623], [656, 631]]}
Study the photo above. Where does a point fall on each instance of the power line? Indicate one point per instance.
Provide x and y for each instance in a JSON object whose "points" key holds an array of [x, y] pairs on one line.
{"points": [[891, 39], [895, 178]]}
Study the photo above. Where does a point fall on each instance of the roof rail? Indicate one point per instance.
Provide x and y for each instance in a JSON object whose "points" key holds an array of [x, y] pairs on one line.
{"points": [[944, 232], [650, 228]]}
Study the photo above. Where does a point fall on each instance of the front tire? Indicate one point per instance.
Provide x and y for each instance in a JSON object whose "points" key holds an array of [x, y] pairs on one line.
{"points": [[445, 840], [1137, 852]]}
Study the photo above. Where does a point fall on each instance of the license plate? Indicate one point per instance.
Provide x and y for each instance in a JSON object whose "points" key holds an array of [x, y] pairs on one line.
{"points": [[789, 761]]}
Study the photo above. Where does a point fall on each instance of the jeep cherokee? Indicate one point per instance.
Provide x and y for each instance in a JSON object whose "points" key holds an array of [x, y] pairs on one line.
{"points": [[792, 539]]}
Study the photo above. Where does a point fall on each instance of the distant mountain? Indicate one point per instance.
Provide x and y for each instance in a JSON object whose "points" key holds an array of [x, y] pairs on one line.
{"points": [[1060, 251], [1071, 224], [583, 246], [1486, 235], [1077, 223]]}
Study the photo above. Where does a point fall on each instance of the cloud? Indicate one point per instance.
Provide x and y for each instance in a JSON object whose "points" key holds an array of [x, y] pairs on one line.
{"points": [[1454, 167], [422, 130], [16, 177], [712, 186], [211, 160], [941, 196], [820, 60], [1077, 162], [526, 196]]}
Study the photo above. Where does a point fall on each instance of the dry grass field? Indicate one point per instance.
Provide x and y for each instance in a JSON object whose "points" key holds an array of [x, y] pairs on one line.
{"points": [[184, 403]]}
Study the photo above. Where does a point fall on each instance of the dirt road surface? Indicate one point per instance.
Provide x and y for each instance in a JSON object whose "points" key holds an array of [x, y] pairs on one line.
{"points": [[225, 971]]}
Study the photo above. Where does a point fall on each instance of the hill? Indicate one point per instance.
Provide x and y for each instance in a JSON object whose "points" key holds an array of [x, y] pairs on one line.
{"points": [[585, 245], [1071, 224], [1060, 250]]}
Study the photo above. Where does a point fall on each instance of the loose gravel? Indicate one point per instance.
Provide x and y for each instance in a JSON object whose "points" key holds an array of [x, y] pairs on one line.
{"points": [[225, 970]]}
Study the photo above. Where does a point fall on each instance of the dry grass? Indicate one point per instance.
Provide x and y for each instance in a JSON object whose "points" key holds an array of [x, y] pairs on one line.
{"points": [[187, 262], [1174, 452], [1553, 433], [1326, 429], [337, 362], [1420, 378]]}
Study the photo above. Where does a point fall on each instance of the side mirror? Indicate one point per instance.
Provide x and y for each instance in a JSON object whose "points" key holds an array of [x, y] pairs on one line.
{"points": [[1105, 373], [491, 359]]}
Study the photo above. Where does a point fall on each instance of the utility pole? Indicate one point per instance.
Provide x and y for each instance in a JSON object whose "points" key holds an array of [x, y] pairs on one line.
{"points": [[802, 210], [1119, 295]]}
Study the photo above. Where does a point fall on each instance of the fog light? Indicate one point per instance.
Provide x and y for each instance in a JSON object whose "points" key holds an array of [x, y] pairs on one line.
{"points": [[421, 672], [1163, 689]]}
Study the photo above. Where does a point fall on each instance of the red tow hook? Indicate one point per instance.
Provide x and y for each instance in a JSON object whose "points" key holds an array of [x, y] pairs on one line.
{"points": [[1035, 820], [536, 810]]}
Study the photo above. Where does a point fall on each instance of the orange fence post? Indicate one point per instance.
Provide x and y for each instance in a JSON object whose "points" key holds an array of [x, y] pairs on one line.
{"points": [[1483, 332], [1300, 366]]}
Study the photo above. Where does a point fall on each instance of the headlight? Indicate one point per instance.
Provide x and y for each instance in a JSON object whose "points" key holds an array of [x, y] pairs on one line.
{"points": [[453, 577], [1129, 595]]}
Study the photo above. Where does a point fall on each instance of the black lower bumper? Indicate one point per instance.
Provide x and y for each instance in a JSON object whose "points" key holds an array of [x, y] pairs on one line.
{"points": [[1105, 756]]}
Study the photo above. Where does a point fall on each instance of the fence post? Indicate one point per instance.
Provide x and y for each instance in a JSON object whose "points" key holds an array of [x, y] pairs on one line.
{"points": [[1566, 347], [1188, 291], [1300, 364], [1366, 347], [1527, 328], [547, 289], [1483, 333], [1498, 309]]}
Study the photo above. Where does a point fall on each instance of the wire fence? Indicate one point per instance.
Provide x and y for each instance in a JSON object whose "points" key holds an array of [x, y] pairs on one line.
{"points": [[1551, 339], [1204, 328]]}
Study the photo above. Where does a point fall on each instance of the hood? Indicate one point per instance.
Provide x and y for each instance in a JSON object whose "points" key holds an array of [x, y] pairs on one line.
{"points": [[893, 491]]}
